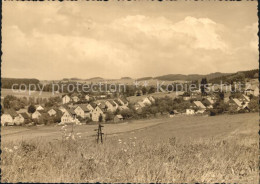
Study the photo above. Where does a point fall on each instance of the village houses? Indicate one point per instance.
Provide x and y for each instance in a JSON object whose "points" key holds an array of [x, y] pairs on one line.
{"points": [[198, 105]]}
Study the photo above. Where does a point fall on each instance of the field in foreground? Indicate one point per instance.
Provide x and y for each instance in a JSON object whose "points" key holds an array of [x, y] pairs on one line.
{"points": [[185, 149]]}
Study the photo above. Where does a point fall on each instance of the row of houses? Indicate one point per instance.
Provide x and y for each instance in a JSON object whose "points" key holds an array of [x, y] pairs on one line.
{"points": [[146, 101], [198, 107], [11, 117], [69, 112], [73, 98]]}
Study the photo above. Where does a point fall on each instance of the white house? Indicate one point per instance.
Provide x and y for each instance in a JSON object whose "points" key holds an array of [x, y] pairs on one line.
{"points": [[190, 111], [209, 102], [146, 101], [7, 119], [124, 107], [82, 111], [123, 101], [151, 99], [19, 119], [91, 107], [139, 105], [111, 105], [52, 112], [36, 115], [66, 99], [97, 112], [237, 104], [118, 118], [75, 98], [39, 108], [87, 98], [69, 117], [244, 98], [256, 91], [199, 105]]}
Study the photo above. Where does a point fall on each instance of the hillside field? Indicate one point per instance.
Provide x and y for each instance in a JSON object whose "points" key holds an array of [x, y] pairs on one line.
{"points": [[36, 94], [222, 148]]}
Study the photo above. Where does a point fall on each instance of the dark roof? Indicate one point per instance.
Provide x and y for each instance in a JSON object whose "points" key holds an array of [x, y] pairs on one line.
{"points": [[41, 111], [93, 104], [71, 111], [24, 115], [124, 100], [65, 106], [118, 102], [112, 102], [11, 112], [65, 95], [84, 108]]}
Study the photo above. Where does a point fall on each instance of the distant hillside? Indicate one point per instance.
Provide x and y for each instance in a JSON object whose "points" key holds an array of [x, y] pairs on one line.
{"points": [[96, 78], [190, 77], [71, 79], [238, 76], [126, 78], [144, 78], [8, 82]]}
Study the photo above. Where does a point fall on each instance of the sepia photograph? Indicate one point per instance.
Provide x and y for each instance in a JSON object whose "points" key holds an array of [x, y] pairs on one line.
{"points": [[130, 91]]}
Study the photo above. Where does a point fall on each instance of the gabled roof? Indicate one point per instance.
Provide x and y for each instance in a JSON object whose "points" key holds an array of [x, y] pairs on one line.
{"points": [[38, 106], [24, 115], [64, 106], [74, 94], [199, 104], [112, 102], [65, 95], [237, 102], [11, 112], [246, 97], [71, 111], [93, 104], [84, 107], [52, 109], [123, 100], [119, 116], [141, 104], [118, 102], [102, 105], [40, 111], [210, 100]]}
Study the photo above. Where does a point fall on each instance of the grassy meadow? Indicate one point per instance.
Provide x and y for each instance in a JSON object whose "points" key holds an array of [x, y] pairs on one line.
{"points": [[188, 149]]}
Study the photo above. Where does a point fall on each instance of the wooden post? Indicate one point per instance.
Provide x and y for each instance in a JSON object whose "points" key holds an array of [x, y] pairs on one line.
{"points": [[99, 133]]}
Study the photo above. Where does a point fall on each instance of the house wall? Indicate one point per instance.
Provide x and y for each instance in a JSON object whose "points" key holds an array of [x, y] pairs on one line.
{"points": [[18, 120], [6, 119], [190, 111], [67, 118], [65, 99], [36, 115], [96, 113]]}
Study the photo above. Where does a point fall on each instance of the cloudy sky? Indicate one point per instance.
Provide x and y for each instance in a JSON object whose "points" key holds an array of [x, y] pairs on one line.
{"points": [[53, 40]]}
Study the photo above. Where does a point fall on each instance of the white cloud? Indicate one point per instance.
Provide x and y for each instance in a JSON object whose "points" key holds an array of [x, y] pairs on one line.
{"points": [[67, 43], [198, 33]]}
